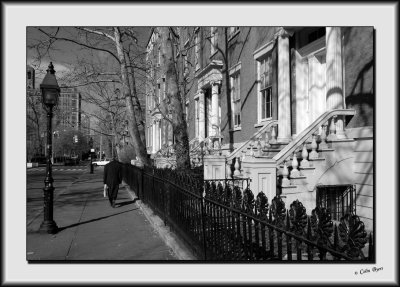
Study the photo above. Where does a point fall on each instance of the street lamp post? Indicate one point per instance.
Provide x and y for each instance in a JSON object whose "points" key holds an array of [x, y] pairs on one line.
{"points": [[50, 93], [91, 154]]}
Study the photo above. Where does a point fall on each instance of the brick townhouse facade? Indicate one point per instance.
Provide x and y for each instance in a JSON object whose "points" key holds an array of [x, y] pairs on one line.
{"points": [[290, 107]]}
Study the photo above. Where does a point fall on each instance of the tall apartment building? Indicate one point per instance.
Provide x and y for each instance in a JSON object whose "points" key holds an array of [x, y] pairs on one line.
{"points": [[291, 107], [69, 108]]}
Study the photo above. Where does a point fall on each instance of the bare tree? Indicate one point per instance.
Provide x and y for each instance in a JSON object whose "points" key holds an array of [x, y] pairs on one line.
{"points": [[112, 112], [114, 42], [173, 105], [35, 122]]}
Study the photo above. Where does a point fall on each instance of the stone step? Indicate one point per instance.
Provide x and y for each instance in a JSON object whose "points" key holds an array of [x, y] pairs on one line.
{"points": [[289, 187], [298, 180]]}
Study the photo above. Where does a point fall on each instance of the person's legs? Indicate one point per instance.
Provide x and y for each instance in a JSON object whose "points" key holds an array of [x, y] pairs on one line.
{"points": [[114, 194], [109, 194]]}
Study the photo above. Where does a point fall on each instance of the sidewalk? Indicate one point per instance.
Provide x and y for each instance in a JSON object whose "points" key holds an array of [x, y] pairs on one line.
{"points": [[90, 229]]}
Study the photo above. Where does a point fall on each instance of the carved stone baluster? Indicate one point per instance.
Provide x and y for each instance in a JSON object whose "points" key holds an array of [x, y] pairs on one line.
{"points": [[285, 174], [228, 170], [267, 145], [340, 134], [295, 172], [313, 153], [332, 130], [262, 138], [273, 136], [243, 154], [237, 171], [251, 148], [304, 155], [323, 143], [259, 151]]}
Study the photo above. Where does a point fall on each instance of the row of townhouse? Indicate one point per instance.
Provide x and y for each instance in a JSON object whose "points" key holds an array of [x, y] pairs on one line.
{"points": [[298, 116]]}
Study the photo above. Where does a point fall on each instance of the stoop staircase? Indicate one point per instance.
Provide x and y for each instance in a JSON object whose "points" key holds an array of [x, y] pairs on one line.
{"points": [[301, 165]]}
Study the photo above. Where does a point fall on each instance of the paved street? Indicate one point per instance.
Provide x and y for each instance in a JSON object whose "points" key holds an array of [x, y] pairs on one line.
{"points": [[90, 229]]}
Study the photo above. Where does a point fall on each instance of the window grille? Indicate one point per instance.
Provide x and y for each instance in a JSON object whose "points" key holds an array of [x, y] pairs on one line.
{"points": [[339, 199]]}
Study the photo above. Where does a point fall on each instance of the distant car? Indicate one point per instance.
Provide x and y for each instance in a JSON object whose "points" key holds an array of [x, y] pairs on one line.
{"points": [[101, 162]]}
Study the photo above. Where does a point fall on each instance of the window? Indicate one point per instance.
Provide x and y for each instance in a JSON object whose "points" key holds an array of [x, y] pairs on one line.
{"points": [[197, 116], [235, 96], [197, 50], [265, 82], [185, 58], [158, 93], [214, 39], [164, 92], [29, 75], [339, 199], [233, 31], [159, 57], [187, 114]]}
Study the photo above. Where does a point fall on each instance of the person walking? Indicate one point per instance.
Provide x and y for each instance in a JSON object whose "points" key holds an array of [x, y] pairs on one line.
{"points": [[112, 178]]}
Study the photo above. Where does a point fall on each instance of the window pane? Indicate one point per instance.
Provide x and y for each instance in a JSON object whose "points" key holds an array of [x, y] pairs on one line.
{"points": [[263, 104], [238, 86]]}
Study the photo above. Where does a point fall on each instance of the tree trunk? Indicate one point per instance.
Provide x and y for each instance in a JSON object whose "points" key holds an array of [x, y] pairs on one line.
{"points": [[136, 103], [138, 144], [179, 125], [228, 90]]}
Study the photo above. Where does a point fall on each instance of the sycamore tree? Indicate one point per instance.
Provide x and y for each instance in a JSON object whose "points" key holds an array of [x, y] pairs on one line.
{"points": [[118, 45], [177, 85], [110, 115]]}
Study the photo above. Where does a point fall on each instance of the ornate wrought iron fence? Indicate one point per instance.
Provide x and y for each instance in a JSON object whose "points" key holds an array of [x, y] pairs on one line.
{"points": [[223, 221]]}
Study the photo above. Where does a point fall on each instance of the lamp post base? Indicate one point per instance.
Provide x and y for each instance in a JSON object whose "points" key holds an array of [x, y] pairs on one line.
{"points": [[48, 226]]}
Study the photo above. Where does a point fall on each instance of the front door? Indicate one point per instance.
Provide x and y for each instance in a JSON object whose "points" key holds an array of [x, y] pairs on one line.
{"points": [[317, 84]]}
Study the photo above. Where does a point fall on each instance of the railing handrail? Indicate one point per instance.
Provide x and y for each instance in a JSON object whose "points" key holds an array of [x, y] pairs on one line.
{"points": [[200, 141], [267, 124], [305, 134]]}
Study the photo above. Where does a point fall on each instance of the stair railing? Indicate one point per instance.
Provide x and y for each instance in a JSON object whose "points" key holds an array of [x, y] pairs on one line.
{"points": [[261, 133], [321, 121]]}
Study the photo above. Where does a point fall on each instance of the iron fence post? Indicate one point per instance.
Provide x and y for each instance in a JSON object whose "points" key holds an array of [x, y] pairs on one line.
{"points": [[203, 218]]}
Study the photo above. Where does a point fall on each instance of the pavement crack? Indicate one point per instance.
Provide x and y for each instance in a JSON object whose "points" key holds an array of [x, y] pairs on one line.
{"points": [[76, 230]]}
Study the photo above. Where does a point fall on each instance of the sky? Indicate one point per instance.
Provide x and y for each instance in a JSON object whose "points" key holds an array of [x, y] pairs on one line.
{"points": [[66, 55]]}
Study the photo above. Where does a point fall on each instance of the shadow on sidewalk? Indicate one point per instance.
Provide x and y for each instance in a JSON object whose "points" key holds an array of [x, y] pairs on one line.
{"points": [[126, 202], [93, 220]]}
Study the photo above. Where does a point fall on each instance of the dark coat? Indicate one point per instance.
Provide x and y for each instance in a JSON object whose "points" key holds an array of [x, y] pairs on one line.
{"points": [[112, 173]]}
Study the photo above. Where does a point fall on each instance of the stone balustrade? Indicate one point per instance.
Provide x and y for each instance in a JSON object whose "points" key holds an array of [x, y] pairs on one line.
{"points": [[308, 142]]}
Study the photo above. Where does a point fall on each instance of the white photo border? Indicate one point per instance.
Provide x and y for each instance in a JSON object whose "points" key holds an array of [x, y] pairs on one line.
{"points": [[16, 17]]}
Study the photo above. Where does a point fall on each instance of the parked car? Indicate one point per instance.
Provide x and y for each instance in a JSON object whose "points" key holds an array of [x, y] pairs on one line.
{"points": [[101, 162]]}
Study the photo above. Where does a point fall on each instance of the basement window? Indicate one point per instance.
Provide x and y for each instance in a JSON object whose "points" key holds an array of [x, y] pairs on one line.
{"points": [[339, 199]]}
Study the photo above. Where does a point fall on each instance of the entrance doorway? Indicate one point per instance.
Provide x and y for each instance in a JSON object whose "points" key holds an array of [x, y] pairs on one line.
{"points": [[207, 113]]}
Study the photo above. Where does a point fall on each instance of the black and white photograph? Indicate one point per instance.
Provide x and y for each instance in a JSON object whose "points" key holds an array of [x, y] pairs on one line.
{"points": [[178, 143], [249, 143]]}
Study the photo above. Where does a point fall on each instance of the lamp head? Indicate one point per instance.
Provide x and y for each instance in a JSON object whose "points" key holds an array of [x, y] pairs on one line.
{"points": [[49, 87]]}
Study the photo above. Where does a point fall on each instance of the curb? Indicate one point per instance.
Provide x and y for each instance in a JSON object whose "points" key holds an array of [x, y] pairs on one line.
{"points": [[170, 239]]}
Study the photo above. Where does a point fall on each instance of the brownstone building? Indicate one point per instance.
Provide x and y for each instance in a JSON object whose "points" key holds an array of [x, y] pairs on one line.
{"points": [[292, 108]]}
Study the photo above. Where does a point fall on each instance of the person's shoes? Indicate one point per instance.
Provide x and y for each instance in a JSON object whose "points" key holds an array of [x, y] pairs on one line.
{"points": [[113, 204]]}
